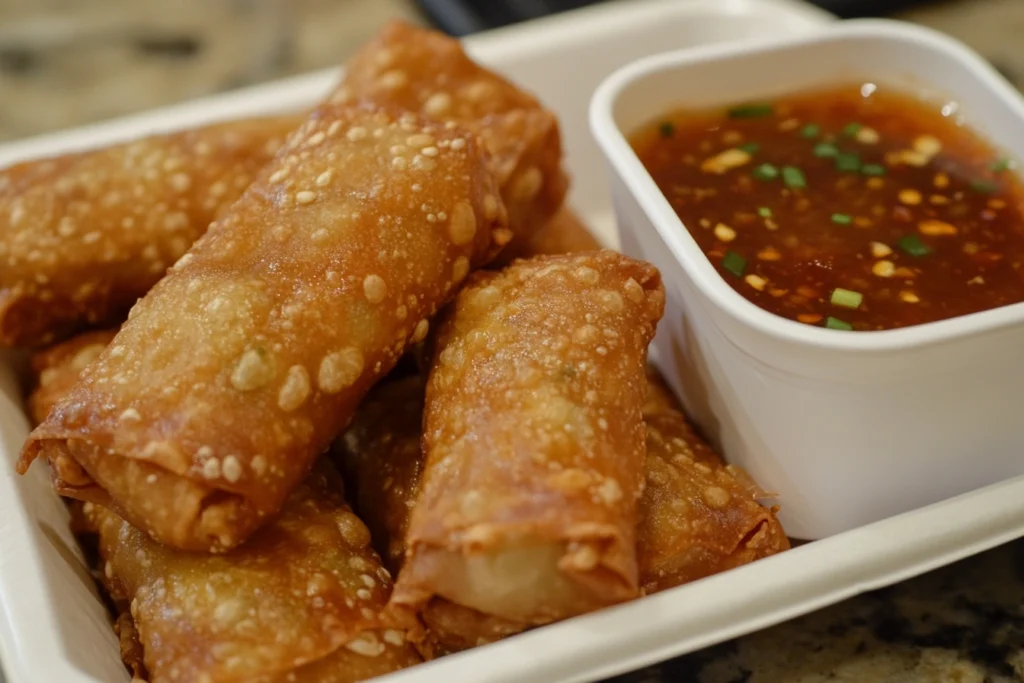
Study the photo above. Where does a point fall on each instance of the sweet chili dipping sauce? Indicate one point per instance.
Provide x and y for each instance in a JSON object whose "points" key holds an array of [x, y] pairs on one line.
{"points": [[854, 208]]}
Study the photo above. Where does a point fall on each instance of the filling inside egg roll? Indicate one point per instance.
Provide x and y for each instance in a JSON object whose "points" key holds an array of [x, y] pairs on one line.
{"points": [[302, 600], [82, 236], [238, 369], [534, 441]]}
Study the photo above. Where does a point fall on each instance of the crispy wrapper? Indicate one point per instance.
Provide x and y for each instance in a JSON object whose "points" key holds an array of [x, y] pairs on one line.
{"points": [[56, 369], [527, 508], [238, 369], [84, 235], [301, 601], [382, 460], [428, 72], [564, 234], [698, 516]]}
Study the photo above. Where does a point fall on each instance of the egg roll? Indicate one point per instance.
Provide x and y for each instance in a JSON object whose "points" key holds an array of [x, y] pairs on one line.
{"points": [[56, 369], [302, 600], [698, 516], [82, 236], [240, 367], [534, 441], [428, 72]]}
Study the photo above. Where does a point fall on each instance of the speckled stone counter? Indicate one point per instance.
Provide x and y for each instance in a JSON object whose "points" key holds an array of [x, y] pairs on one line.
{"points": [[66, 62]]}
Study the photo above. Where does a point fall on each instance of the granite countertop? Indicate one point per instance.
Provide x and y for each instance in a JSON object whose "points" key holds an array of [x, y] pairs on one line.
{"points": [[64, 62]]}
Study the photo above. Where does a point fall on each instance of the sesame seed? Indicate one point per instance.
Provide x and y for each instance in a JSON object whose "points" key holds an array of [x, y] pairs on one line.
{"points": [[394, 79], [366, 644], [909, 297], [587, 275], [457, 144], [130, 414], [910, 196], [254, 370], [399, 163], [305, 197], [936, 227], [430, 151], [324, 178], [356, 133], [716, 497], [333, 129], [211, 468], [374, 288], [867, 136], [927, 145]]}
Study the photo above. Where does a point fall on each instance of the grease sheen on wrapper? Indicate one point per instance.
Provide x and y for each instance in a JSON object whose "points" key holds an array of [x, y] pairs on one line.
{"points": [[82, 236], [428, 72], [534, 441], [698, 516], [301, 601], [235, 372]]}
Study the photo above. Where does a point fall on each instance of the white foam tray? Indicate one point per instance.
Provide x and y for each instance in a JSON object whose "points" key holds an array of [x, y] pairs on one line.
{"points": [[53, 629]]}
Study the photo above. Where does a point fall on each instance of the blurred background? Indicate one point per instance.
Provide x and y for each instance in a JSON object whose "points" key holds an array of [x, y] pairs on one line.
{"points": [[67, 62]]}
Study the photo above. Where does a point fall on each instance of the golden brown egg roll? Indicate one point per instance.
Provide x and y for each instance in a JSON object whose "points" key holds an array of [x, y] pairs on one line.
{"points": [[238, 369], [302, 600], [56, 369], [698, 516], [382, 461], [428, 72], [565, 233], [534, 441], [82, 236]]}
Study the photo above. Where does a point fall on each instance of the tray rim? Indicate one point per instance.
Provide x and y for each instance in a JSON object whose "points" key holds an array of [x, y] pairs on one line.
{"points": [[642, 632]]}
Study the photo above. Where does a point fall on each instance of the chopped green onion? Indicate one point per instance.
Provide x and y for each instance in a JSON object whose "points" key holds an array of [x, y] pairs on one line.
{"points": [[810, 131], [913, 245], [750, 147], [1002, 164], [825, 150], [666, 129], [873, 169], [793, 177], [837, 324], [842, 218], [734, 263], [847, 298], [848, 162], [852, 129], [764, 212], [766, 172], [751, 111], [983, 186]]}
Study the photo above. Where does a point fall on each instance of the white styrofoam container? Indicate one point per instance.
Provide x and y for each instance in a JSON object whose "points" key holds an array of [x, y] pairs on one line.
{"points": [[849, 427], [53, 629]]}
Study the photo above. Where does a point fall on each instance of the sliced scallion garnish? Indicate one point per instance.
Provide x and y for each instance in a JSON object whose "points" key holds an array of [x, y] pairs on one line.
{"points": [[750, 147], [810, 131], [848, 162], [852, 129], [734, 263], [913, 245], [847, 298], [793, 177], [766, 172], [983, 186], [837, 324], [666, 129], [825, 150], [764, 212], [873, 169], [842, 218]]}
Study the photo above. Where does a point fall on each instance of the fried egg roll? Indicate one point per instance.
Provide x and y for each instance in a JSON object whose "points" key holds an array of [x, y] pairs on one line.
{"points": [[238, 369], [428, 72], [382, 461], [82, 236], [302, 600], [56, 369], [698, 516], [534, 441]]}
